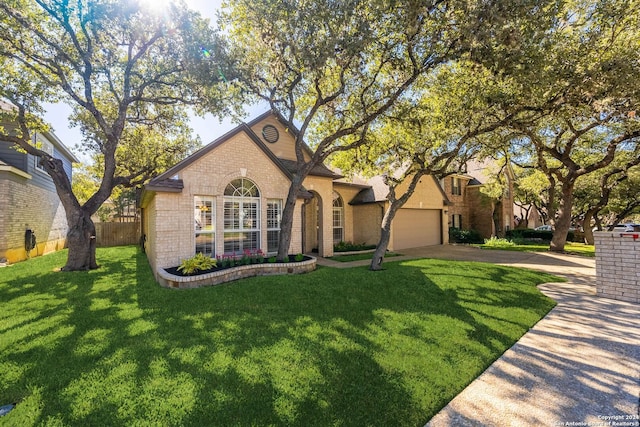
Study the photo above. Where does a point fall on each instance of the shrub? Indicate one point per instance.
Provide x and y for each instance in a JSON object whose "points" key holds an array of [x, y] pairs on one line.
{"points": [[495, 242], [199, 262], [348, 247], [246, 258], [529, 234], [272, 259], [523, 234], [299, 257], [457, 235]]}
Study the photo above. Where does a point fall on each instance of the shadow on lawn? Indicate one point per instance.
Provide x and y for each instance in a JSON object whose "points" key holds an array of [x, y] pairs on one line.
{"points": [[302, 350]]}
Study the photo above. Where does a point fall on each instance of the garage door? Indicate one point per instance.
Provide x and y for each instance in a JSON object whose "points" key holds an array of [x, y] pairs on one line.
{"points": [[413, 228]]}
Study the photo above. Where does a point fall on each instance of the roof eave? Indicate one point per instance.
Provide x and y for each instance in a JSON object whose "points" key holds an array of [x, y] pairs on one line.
{"points": [[50, 135]]}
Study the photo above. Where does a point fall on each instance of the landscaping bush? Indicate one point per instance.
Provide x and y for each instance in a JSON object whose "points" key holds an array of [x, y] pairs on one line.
{"points": [[349, 247], [529, 234], [197, 263], [457, 235], [496, 242], [536, 235]]}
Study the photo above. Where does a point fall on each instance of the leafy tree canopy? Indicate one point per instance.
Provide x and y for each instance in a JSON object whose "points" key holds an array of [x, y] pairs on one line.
{"points": [[126, 72]]}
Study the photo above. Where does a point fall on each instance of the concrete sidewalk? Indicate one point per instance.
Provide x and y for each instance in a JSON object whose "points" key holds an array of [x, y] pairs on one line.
{"points": [[580, 365]]}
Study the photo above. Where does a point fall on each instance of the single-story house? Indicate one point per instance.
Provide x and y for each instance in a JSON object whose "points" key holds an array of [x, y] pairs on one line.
{"points": [[228, 197], [32, 213]]}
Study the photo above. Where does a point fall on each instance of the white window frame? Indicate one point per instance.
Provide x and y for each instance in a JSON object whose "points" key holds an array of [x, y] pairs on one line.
{"points": [[273, 224], [338, 214], [47, 147], [456, 224], [202, 205], [237, 201], [456, 186]]}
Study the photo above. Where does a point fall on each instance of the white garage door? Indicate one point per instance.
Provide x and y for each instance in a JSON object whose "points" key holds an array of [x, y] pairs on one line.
{"points": [[413, 228]]}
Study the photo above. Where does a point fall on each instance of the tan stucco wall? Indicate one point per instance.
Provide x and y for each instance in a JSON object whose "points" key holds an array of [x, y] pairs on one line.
{"points": [[323, 188], [25, 206], [426, 196], [284, 148]]}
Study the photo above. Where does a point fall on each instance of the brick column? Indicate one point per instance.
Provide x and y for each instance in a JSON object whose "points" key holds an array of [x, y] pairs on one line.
{"points": [[618, 265]]}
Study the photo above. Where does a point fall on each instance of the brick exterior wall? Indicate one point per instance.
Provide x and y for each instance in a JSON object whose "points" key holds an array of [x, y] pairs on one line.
{"points": [[459, 203], [149, 225], [25, 206], [168, 217], [618, 265], [481, 210], [478, 211], [367, 228], [348, 193]]}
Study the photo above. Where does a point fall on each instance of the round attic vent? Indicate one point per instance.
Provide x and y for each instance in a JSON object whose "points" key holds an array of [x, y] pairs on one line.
{"points": [[270, 133]]}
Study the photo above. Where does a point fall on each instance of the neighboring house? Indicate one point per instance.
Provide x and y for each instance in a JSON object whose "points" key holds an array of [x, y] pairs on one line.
{"points": [[29, 202], [228, 197], [529, 212], [470, 209]]}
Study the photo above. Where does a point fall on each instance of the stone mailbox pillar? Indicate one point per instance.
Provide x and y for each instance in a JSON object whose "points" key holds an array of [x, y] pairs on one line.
{"points": [[618, 265]]}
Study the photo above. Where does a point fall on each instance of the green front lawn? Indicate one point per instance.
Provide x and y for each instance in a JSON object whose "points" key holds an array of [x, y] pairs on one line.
{"points": [[333, 347], [571, 248]]}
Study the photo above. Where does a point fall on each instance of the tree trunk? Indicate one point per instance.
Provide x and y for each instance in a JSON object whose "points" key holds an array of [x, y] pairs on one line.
{"points": [[81, 237], [385, 236], [81, 240], [563, 220], [286, 224], [395, 203], [598, 222], [586, 226]]}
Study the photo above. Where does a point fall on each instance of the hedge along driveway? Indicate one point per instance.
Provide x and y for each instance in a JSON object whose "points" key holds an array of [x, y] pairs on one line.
{"points": [[347, 347]]}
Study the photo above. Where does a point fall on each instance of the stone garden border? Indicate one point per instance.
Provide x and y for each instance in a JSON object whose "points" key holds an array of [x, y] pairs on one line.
{"points": [[235, 273]]}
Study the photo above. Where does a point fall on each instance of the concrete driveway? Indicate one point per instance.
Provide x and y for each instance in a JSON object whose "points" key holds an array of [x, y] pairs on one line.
{"points": [[572, 267], [578, 366]]}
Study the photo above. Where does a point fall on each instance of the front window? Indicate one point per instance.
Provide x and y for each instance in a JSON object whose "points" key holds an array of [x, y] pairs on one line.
{"points": [[45, 146], [456, 221], [338, 218], [205, 223], [274, 214], [241, 216], [456, 188]]}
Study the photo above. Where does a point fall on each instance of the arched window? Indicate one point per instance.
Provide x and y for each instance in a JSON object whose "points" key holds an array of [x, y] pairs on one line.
{"points": [[241, 187], [241, 216], [338, 218]]}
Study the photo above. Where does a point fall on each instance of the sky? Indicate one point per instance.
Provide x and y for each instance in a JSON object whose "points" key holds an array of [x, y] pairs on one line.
{"points": [[208, 128]]}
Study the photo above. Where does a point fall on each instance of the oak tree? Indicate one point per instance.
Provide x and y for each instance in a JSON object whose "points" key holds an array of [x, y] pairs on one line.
{"points": [[333, 68], [122, 67]]}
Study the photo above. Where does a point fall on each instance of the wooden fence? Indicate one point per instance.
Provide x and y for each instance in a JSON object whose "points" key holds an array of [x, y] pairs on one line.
{"points": [[117, 233]]}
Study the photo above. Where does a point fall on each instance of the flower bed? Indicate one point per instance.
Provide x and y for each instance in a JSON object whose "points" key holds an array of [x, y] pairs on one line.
{"points": [[172, 278]]}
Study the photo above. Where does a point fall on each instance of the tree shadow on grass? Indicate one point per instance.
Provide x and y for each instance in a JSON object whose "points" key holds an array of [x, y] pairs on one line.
{"points": [[313, 349]]}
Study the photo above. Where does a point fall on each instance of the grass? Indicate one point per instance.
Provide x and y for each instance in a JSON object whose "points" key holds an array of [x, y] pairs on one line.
{"points": [[333, 347], [571, 248], [360, 257]]}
